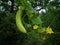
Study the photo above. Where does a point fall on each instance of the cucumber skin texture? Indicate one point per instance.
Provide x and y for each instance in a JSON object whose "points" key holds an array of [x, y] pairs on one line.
{"points": [[19, 20]]}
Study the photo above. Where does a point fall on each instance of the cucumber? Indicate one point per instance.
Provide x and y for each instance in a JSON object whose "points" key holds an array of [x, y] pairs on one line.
{"points": [[19, 20]]}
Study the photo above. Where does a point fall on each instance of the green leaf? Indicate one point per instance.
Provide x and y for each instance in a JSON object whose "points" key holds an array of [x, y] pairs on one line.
{"points": [[31, 0], [18, 1], [36, 20], [41, 30]]}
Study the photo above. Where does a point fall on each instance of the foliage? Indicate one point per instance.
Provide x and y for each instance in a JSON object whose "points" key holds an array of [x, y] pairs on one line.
{"points": [[35, 23]]}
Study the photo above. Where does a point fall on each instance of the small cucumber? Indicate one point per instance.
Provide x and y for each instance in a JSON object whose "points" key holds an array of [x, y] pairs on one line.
{"points": [[19, 20]]}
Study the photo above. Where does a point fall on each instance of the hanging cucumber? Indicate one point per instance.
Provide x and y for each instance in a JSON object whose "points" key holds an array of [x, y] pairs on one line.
{"points": [[19, 20]]}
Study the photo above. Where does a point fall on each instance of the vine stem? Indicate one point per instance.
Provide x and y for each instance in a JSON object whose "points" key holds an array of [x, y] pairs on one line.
{"points": [[52, 20]]}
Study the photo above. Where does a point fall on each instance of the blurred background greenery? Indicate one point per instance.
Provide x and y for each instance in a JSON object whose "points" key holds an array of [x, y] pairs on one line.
{"points": [[10, 35]]}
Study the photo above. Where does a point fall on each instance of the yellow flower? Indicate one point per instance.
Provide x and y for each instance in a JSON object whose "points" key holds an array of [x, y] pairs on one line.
{"points": [[49, 30], [35, 27]]}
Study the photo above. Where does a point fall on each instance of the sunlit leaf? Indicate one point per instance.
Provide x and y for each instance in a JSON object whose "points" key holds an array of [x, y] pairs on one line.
{"points": [[36, 20]]}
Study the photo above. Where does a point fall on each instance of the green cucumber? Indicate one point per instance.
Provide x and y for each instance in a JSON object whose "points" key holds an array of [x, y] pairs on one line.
{"points": [[19, 20]]}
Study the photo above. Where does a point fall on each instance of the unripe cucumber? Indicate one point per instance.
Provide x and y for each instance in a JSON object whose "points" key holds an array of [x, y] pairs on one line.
{"points": [[19, 20]]}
